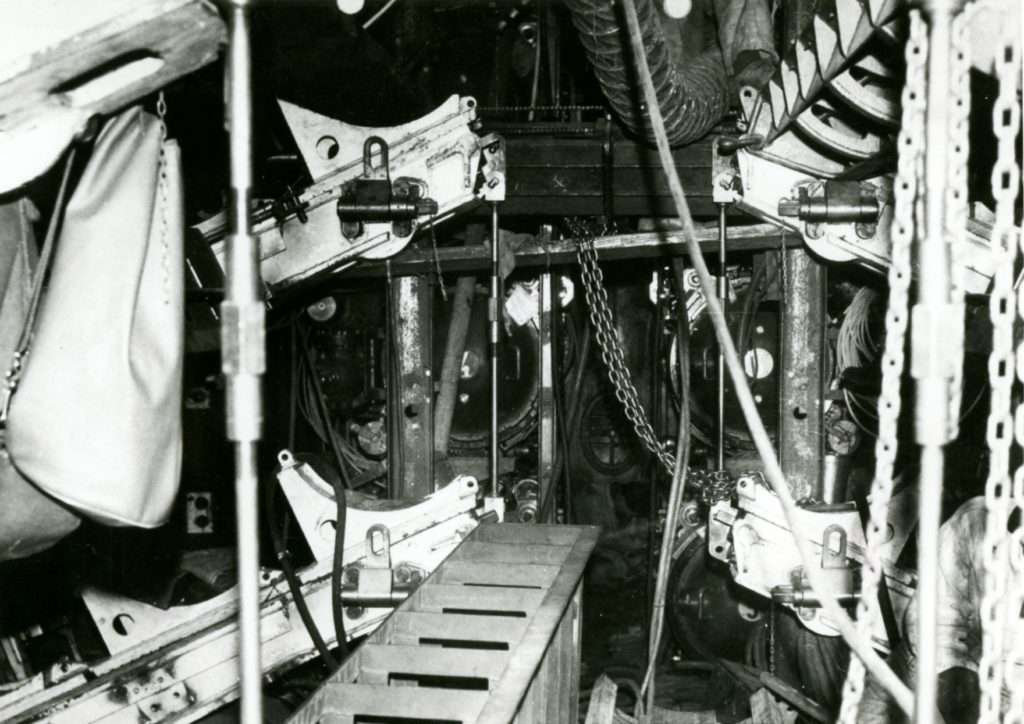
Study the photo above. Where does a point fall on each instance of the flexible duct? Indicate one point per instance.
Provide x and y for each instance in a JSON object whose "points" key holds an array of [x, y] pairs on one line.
{"points": [[693, 94]]}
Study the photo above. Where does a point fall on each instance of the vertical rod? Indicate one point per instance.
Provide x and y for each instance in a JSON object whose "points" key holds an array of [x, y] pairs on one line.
{"points": [[723, 299], [242, 352], [547, 420], [931, 363], [494, 318], [802, 375]]}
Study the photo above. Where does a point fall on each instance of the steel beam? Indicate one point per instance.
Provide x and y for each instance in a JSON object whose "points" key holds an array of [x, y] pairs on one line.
{"points": [[642, 245], [412, 458], [802, 376]]}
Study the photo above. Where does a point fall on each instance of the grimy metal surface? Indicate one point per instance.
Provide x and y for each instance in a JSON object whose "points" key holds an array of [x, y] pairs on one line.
{"points": [[801, 376], [413, 457], [616, 247], [497, 624]]}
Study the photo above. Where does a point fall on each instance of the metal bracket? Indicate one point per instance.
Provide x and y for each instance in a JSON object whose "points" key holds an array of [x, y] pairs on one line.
{"points": [[492, 168], [725, 175], [157, 694]]}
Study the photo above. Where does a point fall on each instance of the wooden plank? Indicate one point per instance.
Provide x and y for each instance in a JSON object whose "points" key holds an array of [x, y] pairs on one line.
{"points": [[577, 649], [520, 533], [602, 701], [482, 552], [398, 701], [435, 597], [565, 664], [378, 661], [514, 574], [504, 700], [411, 626]]}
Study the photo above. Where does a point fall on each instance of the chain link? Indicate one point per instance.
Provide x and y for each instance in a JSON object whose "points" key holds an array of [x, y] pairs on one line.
{"points": [[956, 193], [524, 109], [909, 172], [771, 637], [1000, 498], [437, 262], [608, 340], [163, 190]]}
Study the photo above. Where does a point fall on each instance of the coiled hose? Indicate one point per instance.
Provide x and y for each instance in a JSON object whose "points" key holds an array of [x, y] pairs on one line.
{"points": [[693, 94]]}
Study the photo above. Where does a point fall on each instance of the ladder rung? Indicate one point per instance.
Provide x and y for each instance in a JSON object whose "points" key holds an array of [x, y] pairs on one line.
{"points": [[483, 552], [514, 574], [352, 700], [521, 601], [411, 626], [378, 661]]}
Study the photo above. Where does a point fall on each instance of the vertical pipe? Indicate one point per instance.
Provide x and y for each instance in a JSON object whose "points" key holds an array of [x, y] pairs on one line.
{"points": [[415, 393], [494, 318], [546, 418], [723, 299], [802, 375], [242, 352], [931, 361]]}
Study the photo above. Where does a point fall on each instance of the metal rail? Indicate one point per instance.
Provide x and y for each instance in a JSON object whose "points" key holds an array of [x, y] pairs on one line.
{"points": [[935, 357], [242, 345]]}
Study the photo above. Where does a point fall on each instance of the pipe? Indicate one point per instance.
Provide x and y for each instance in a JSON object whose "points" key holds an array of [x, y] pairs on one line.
{"points": [[451, 367], [932, 361], [723, 299], [243, 357], [494, 319], [692, 93]]}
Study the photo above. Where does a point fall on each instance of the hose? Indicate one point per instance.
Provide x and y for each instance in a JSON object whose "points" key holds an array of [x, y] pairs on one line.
{"points": [[692, 93], [284, 556], [773, 471], [340, 502]]}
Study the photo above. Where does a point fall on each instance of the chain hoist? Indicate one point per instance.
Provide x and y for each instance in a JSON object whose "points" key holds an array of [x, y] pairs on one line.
{"points": [[608, 340], [995, 551], [909, 171]]}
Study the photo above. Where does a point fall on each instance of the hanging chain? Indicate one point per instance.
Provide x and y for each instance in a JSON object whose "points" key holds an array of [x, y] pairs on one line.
{"points": [[956, 194], [164, 201], [608, 340], [1005, 184], [909, 171], [437, 262], [524, 109], [771, 638]]}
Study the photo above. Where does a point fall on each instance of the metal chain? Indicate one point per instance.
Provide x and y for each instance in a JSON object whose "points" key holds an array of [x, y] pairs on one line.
{"points": [[1005, 185], [909, 172], [608, 340], [163, 190], [524, 109], [437, 263], [771, 637], [956, 194]]}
